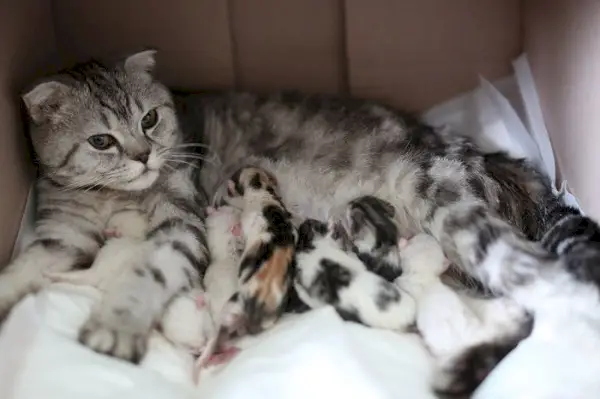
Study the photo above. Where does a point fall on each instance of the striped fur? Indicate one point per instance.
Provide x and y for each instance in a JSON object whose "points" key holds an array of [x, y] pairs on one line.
{"points": [[323, 151], [82, 184]]}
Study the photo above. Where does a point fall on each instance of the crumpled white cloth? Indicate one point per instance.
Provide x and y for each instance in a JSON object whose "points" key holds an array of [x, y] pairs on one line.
{"points": [[315, 355]]}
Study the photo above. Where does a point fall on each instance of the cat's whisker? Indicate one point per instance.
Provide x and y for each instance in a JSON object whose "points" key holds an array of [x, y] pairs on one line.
{"points": [[183, 162], [191, 157]]}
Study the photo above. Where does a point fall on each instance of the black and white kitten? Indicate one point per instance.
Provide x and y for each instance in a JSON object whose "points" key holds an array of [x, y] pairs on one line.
{"points": [[329, 275]]}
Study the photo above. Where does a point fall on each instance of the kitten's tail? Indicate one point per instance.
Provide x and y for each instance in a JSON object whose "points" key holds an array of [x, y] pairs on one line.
{"points": [[463, 374]]}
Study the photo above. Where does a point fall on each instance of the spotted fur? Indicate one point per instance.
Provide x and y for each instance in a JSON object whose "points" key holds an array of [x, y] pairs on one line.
{"points": [[268, 262], [328, 275]]}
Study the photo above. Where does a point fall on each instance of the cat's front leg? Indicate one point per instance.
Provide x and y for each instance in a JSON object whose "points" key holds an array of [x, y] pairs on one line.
{"points": [[176, 257], [59, 247]]}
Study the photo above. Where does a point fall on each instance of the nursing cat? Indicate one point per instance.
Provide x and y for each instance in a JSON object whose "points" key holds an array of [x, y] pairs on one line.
{"points": [[103, 133]]}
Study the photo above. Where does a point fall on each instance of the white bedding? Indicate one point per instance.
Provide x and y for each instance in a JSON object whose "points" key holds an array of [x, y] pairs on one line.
{"points": [[315, 355]]}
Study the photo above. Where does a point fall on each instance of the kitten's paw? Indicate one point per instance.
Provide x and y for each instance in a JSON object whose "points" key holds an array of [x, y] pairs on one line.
{"points": [[115, 341]]}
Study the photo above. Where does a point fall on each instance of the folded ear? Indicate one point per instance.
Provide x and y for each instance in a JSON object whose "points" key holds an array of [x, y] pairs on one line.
{"points": [[45, 100], [141, 63]]}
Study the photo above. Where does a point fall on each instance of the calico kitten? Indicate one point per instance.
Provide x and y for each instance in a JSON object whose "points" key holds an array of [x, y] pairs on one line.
{"points": [[103, 133], [328, 275], [267, 263]]}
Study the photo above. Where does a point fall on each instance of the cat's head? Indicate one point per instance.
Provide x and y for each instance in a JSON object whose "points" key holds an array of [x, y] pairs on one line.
{"points": [[103, 126]]}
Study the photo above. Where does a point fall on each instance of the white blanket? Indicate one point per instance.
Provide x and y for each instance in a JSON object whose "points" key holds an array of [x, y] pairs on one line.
{"points": [[316, 355]]}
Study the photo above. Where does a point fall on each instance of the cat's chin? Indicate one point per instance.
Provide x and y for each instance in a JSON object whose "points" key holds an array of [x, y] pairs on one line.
{"points": [[143, 182]]}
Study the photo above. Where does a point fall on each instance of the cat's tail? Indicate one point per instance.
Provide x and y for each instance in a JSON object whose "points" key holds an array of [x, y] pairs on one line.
{"points": [[460, 376]]}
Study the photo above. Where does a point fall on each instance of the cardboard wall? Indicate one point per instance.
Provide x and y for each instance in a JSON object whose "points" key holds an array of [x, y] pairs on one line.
{"points": [[406, 52], [27, 48], [562, 38]]}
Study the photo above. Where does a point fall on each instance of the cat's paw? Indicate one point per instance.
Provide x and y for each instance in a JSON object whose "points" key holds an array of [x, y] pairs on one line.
{"points": [[109, 338]]}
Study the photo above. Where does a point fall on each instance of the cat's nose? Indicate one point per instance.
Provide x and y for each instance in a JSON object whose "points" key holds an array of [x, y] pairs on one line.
{"points": [[142, 157]]}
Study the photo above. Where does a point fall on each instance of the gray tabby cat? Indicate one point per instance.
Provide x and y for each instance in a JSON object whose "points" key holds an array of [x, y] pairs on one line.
{"points": [[106, 134]]}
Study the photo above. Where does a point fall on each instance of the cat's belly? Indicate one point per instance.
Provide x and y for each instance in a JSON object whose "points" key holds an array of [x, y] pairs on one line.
{"points": [[311, 191]]}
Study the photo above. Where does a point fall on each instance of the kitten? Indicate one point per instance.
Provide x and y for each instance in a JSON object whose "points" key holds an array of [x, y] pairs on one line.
{"points": [[375, 235], [483, 208], [328, 275], [467, 336], [187, 321], [267, 263], [226, 243], [125, 230]]}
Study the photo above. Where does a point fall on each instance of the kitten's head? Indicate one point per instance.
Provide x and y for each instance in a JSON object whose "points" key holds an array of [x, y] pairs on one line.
{"points": [[373, 231], [103, 126], [311, 231]]}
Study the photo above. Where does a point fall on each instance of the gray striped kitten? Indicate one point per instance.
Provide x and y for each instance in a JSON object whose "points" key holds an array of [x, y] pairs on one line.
{"points": [[105, 135]]}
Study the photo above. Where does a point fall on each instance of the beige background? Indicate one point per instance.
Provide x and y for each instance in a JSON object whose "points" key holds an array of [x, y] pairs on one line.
{"points": [[410, 53]]}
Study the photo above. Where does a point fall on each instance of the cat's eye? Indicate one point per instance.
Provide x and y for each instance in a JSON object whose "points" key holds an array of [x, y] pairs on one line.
{"points": [[149, 120], [102, 141]]}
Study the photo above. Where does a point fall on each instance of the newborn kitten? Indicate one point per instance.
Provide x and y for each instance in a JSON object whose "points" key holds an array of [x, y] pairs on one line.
{"points": [[328, 275], [125, 231], [267, 262], [466, 336], [225, 243], [186, 322], [266, 265], [375, 235]]}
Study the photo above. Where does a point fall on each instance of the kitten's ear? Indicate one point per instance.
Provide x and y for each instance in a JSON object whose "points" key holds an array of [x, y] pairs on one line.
{"points": [[340, 235], [141, 63], [45, 99]]}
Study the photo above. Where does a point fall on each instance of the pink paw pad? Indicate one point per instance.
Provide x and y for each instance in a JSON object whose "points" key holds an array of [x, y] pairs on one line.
{"points": [[222, 357], [200, 301], [236, 230], [111, 233]]}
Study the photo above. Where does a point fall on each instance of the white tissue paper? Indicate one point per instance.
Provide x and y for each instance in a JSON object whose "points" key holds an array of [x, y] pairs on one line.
{"points": [[505, 116], [315, 355]]}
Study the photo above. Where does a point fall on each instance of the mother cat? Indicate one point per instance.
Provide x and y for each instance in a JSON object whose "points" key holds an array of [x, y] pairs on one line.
{"points": [[107, 137]]}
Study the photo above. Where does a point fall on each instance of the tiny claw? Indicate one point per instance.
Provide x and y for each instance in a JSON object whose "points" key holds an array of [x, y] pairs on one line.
{"points": [[231, 188], [210, 210]]}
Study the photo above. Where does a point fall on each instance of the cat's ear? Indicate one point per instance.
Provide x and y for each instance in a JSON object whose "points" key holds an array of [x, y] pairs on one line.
{"points": [[45, 100], [141, 63]]}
